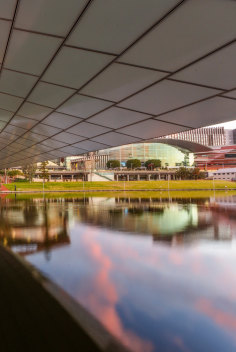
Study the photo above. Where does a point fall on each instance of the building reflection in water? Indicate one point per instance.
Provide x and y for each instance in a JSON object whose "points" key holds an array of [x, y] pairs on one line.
{"points": [[38, 224], [175, 222], [32, 226], [158, 273]]}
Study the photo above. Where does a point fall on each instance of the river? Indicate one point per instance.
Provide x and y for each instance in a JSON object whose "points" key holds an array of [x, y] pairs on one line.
{"points": [[158, 272]]}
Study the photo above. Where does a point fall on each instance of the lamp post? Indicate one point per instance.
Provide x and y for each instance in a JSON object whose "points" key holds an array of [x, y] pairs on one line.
{"points": [[214, 188]]}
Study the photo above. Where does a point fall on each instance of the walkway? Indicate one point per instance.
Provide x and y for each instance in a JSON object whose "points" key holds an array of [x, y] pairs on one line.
{"points": [[30, 318]]}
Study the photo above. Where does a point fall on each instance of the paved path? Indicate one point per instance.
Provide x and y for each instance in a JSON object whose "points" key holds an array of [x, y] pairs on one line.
{"points": [[30, 318], [3, 188]]}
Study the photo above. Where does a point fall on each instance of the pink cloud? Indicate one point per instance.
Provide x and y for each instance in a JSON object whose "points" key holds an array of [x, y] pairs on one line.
{"points": [[224, 319], [103, 297]]}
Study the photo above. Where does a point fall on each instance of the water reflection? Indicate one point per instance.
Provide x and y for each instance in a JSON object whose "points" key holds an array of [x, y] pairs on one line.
{"points": [[174, 222], [158, 273], [33, 226]]}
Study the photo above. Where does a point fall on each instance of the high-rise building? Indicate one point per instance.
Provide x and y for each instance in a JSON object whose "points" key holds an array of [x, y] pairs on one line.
{"points": [[234, 136], [229, 140], [211, 136]]}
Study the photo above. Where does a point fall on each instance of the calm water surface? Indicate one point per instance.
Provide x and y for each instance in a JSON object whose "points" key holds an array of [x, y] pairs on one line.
{"points": [[159, 273]]}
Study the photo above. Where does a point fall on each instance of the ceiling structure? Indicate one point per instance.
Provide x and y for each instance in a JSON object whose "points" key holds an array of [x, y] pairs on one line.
{"points": [[82, 75]]}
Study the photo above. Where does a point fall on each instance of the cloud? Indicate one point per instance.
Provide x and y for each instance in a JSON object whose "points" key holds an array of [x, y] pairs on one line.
{"points": [[102, 297], [220, 317]]}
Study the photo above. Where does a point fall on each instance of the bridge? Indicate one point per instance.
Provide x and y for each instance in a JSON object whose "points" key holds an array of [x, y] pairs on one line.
{"points": [[82, 75]]}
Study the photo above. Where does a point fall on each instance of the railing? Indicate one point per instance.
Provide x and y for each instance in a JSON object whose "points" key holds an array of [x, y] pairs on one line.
{"points": [[102, 175]]}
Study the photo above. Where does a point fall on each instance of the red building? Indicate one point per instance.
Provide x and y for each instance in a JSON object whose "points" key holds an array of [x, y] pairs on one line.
{"points": [[216, 158]]}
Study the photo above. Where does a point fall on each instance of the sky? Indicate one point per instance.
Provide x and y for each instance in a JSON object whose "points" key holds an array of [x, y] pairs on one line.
{"points": [[228, 125]]}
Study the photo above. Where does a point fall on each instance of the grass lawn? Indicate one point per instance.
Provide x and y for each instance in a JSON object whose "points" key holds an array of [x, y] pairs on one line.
{"points": [[121, 185]]}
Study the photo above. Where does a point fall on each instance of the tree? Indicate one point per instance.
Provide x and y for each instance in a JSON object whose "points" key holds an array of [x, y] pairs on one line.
{"points": [[183, 173], [13, 173], [29, 171], [196, 174], [152, 164], [189, 174], [186, 160], [44, 171], [133, 163], [113, 163]]}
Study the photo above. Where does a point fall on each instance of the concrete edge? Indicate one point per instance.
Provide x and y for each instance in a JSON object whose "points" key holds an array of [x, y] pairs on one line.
{"points": [[95, 330], [121, 190]]}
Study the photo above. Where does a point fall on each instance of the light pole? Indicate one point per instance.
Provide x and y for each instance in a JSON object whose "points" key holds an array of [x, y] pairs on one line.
{"points": [[169, 187], [214, 188]]}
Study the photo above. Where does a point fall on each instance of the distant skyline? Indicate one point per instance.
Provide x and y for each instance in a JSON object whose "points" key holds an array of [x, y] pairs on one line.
{"points": [[228, 125]]}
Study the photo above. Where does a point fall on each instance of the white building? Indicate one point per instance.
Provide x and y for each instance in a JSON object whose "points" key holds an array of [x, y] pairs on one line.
{"points": [[225, 174], [229, 138]]}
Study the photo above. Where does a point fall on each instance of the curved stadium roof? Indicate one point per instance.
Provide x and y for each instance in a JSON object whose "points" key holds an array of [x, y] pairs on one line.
{"points": [[83, 75], [187, 145]]}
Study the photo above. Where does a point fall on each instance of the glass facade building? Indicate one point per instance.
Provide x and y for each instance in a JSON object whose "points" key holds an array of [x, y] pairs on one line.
{"points": [[169, 155]]}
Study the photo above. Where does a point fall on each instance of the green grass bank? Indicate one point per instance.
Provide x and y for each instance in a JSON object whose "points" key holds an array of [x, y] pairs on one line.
{"points": [[121, 185]]}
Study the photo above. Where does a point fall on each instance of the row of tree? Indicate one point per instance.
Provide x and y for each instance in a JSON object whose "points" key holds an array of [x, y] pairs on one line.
{"points": [[190, 174], [182, 173], [29, 171], [135, 163], [12, 173]]}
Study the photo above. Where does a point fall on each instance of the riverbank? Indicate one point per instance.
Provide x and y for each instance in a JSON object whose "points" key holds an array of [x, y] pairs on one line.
{"points": [[113, 186]]}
